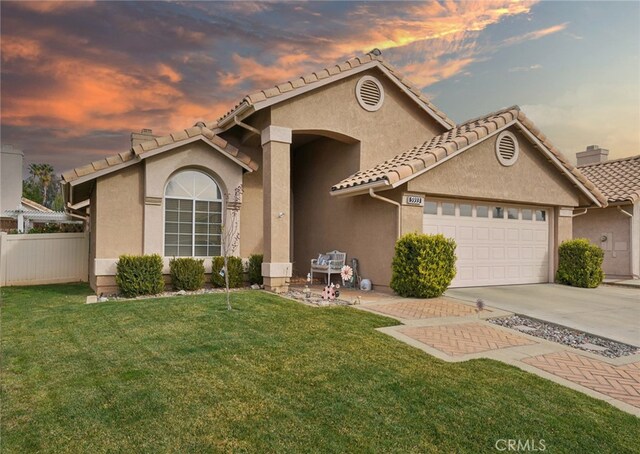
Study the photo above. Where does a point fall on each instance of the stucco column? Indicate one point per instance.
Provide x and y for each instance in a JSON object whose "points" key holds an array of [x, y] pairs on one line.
{"points": [[276, 180], [635, 241], [563, 231], [412, 213]]}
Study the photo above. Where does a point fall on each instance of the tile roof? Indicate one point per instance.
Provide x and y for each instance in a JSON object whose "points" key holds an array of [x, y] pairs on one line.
{"points": [[618, 180], [140, 150], [412, 162], [352, 65]]}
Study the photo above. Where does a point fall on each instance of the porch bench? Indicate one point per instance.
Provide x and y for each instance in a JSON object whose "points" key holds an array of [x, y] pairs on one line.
{"points": [[329, 263]]}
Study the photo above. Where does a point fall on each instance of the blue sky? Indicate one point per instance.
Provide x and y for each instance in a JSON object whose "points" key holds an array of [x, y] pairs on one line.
{"points": [[77, 77]]}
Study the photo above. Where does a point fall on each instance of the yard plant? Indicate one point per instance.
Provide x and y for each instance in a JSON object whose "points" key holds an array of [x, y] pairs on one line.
{"points": [[235, 272], [580, 263], [423, 265], [186, 273], [139, 275], [184, 374], [255, 269]]}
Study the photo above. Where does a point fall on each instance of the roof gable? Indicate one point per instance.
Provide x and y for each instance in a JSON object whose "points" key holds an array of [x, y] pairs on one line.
{"points": [[295, 87], [422, 158], [159, 145]]}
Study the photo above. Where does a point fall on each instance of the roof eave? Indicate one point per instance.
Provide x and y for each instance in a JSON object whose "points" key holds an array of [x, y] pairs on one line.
{"points": [[361, 189]]}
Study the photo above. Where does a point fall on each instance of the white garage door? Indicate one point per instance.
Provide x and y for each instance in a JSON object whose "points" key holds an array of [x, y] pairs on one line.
{"points": [[496, 244]]}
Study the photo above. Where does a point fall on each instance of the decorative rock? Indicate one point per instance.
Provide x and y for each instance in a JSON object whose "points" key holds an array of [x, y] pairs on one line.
{"points": [[181, 292], [255, 287], [566, 336], [102, 299]]}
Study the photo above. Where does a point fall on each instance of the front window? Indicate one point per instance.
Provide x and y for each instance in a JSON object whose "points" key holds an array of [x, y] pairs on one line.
{"points": [[192, 216]]}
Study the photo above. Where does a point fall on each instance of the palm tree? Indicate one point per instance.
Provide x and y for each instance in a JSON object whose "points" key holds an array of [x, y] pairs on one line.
{"points": [[43, 174], [46, 177]]}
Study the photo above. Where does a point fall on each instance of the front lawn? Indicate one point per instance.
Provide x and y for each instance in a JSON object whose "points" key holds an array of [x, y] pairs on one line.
{"points": [[184, 374]]}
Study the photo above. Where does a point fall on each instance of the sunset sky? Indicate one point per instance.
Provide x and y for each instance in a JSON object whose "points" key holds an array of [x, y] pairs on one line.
{"points": [[78, 77]]}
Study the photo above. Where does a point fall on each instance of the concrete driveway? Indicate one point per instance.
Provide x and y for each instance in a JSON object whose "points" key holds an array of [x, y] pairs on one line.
{"points": [[611, 312]]}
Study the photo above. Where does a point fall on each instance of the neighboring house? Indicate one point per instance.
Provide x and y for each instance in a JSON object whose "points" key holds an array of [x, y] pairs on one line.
{"points": [[615, 228], [17, 212], [345, 158]]}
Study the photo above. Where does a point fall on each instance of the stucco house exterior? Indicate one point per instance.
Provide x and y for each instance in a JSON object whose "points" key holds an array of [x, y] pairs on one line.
{"points": [[616, 228], [347, 158]]}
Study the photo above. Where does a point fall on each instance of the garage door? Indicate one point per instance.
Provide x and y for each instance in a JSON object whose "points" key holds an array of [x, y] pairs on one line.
{"points": [[496, 244]]}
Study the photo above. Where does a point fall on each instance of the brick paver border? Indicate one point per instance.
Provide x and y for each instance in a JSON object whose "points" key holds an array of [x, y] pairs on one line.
{"points": [[620, 382], [464, 339], [428, 308]]}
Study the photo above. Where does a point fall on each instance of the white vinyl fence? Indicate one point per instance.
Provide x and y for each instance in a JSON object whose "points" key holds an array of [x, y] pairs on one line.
{"points": [[43, 258]]}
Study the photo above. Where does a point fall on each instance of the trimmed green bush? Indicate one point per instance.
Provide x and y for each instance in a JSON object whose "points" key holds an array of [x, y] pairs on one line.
{"points": [[139, 275], [580, 264], [423, 265], [186, 273], [255, 269], [235, 272]]}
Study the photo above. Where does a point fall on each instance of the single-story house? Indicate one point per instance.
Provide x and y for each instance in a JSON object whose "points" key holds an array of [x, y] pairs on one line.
{"points": [[347, 158], [616, 228]]}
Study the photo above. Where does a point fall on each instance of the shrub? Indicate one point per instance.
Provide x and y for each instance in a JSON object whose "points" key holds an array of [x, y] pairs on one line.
{"points": [[235, 272], [187, 273], [139, 275], [580, 263], [423, 265], [255, 269]]}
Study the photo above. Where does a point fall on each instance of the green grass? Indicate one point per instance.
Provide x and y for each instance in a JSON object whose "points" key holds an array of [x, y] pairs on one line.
{"points": [[184, 374]]}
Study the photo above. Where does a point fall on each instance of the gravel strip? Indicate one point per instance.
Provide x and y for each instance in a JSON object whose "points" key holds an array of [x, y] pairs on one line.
{"points": [[315, 299], [566, 336]]}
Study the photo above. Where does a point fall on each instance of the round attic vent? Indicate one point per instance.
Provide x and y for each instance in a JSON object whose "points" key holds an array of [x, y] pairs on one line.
{"points": [[507, 148], [369, 93]]}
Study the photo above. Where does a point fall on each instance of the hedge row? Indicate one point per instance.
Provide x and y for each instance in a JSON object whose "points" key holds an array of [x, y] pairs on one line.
{"points": [[142, 274]]}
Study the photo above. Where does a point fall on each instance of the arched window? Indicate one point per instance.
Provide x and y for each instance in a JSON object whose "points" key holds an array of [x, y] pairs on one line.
{"points": [[192, 215]]}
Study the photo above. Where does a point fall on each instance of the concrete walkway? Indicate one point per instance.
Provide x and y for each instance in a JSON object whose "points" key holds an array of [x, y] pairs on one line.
{"points": [[606, 311], [455, 331]]}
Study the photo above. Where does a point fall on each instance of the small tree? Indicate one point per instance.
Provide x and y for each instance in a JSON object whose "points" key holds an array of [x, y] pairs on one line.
{"points": [[230, 238]]}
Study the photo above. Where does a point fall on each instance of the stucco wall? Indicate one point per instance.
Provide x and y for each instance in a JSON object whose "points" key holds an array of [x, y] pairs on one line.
{"points": [[251, 225], [478, 174], [360, 226], [617, 227], [119, 213], [397, 126]]}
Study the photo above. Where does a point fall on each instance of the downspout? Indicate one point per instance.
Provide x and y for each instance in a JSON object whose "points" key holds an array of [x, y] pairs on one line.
{"points": [[630, 215], [624, 212], [579, 214], [393, 202]]}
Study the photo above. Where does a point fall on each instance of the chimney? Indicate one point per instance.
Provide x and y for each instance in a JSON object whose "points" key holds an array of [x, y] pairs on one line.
{"points": [[142, 136], [592, 155]]}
